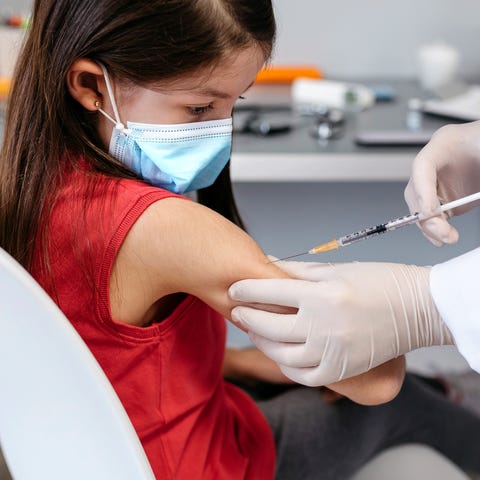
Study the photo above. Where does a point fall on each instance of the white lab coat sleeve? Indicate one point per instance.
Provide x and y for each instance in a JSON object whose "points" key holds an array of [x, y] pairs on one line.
{"points": [[455, 288]]}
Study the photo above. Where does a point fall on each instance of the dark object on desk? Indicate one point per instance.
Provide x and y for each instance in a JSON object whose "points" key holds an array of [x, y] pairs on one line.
{"points": [[393, 138], [263, 121], [270, 123], [329, 125]]}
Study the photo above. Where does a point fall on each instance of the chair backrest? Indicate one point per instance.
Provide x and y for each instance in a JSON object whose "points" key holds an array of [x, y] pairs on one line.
{"points": [[59, 416]]}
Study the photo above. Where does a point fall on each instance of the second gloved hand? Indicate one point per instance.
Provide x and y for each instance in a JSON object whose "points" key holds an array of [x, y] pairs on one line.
{"points": [[351, 317], [446, 169]]}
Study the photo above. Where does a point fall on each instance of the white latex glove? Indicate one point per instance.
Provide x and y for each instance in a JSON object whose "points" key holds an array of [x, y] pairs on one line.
{"points": [[351, 317], [446, 169]]}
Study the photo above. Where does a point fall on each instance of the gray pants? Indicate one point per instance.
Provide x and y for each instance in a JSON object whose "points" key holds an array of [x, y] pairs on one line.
{"points": [[316, 440]]}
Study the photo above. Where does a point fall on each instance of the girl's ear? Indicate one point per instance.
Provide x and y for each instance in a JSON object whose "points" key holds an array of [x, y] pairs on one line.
{"points": [[86, 84]]}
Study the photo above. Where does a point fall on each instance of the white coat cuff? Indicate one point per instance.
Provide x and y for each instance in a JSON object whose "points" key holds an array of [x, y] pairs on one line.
{"points": [[455, 289]]}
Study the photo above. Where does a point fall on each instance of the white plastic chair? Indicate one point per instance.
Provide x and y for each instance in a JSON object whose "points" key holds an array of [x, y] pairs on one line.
{"points": [[410, 462], [59, 415]]}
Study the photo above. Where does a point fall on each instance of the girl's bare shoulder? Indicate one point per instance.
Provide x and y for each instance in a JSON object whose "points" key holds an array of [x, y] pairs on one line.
{"points": [[178, 245]]}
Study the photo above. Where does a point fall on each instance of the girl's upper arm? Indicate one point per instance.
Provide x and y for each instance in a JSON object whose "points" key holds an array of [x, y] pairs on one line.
{"points": [[180, 246]]}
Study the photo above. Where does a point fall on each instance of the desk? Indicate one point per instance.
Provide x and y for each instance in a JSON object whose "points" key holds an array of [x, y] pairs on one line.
{"points": [[298, 157]]}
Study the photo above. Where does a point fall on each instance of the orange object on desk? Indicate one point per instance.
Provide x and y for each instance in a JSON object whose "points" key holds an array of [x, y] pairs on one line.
{"points": [[287, 74]]}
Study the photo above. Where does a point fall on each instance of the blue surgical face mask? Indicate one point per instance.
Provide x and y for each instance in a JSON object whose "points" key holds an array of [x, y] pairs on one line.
{"points": [[178, 157]]}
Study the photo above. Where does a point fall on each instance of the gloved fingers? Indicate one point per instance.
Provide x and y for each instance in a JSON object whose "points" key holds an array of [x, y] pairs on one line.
{"points": [[312, 271], [436, 229], [439, 230], [421, 192], [287, 354], [286, 292], [433, 241], [275, 326]]}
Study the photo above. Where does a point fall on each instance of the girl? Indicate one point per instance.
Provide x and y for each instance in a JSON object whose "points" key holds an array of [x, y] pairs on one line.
{"points": [[118, 108]]}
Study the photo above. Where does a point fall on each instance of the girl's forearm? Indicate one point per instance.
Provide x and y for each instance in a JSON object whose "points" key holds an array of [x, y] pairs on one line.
{"points": [[379, 385]]}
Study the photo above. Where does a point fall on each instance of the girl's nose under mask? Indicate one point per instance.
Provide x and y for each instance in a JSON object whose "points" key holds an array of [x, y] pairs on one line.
{"points": [[179, 157]]}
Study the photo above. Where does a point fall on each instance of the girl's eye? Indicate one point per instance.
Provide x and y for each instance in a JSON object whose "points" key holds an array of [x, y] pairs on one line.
{"points": [[200, 110]]}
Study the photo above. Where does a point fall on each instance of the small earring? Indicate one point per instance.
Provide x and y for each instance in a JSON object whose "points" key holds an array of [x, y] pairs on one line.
{"points": [[97, 103]]}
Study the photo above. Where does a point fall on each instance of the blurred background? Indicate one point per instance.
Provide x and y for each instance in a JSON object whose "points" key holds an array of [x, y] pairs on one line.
{"points": [[375, 38], [355, 39]]}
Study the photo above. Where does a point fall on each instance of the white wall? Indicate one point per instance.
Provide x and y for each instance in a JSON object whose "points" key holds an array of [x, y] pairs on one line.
{"points": [[14, 6], [366, 38]]}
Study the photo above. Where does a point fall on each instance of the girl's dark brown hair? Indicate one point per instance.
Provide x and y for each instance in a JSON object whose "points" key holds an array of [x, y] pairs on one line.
{"points": [[138, 41]]}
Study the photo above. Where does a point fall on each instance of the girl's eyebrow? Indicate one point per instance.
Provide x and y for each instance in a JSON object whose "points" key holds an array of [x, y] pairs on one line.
{"points": [[212, 92]]}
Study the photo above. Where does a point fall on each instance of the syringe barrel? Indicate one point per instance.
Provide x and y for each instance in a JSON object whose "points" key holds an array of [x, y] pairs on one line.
{"points": [[362, 235], [378, 230], [402, 221]]}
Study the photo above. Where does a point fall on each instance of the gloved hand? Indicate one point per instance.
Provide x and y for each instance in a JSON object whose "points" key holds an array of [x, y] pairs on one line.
{"points": [[351, 317], [446, 169]]}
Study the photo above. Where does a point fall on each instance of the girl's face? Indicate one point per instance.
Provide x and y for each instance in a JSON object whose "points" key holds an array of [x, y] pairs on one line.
{"points": [[209, 94]]}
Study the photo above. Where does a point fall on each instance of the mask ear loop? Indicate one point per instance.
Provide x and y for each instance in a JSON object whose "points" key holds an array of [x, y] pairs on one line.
{"points": [[116, 121]]}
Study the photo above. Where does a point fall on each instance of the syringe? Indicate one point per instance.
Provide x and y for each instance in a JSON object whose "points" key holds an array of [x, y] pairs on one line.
{"points": [[389, 226]]}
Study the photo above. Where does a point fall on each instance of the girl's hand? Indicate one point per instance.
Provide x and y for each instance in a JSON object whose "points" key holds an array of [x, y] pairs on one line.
{"points": [[250, 365], [330, 396]]}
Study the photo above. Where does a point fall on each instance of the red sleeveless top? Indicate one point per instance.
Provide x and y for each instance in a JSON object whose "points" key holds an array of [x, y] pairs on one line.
{"points": [[191, 423]]}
